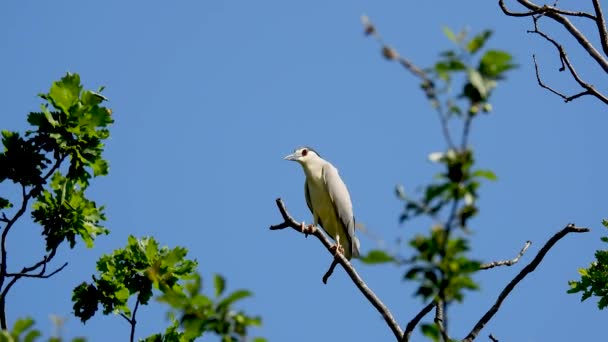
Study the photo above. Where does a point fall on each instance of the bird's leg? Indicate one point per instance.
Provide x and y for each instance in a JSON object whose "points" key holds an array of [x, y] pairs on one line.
{"points": [[337, 248]]}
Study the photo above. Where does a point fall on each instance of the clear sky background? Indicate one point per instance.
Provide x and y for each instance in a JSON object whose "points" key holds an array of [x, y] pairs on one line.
{"points": [[208, 96]]}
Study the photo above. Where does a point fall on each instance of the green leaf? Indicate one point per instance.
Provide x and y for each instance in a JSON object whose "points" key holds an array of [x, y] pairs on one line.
{"points": [[494, 63], [21, 325], [233, 297], [65, 92], [219, 284], [449, 33], [31, 336], [478, 41], [605, 223], [487, 174], [431, 331], [377, 256], [4, 203]]}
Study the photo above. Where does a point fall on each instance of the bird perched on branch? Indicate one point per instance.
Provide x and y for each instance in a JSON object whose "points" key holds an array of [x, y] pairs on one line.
{"points": [[328, 200]]}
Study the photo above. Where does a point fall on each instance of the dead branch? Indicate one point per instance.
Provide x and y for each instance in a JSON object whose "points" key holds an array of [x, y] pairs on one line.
{"points": [[510, 262], [536, 12], [570, 228], [589, 89], [339, 258]]}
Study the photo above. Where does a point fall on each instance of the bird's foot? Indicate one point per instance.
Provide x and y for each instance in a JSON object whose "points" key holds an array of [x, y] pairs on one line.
{"points": [[337, 249], [307, 229]]}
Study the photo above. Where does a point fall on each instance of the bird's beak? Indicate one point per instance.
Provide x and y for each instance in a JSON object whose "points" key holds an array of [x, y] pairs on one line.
{"points": [[292, 157]]}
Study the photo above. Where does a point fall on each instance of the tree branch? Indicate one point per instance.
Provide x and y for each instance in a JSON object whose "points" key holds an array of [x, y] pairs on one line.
{"points": [[601, 25], [511, 262], [411, 325], [339, 258], [494, 339], [542, 10], [427, 83], [41, 274], [580, 37], [570, 228], [589, 89], [439, 321]]}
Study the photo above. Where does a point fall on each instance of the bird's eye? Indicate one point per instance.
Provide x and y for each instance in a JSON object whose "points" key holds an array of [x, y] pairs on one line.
{"points": [[304, 152]]}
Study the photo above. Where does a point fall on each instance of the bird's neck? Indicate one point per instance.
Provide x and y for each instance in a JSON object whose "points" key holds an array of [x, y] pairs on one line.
{"points": [[313, 170]]}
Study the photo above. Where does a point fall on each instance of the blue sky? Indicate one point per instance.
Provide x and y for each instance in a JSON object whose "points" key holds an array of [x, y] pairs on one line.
{"points": [[208, 96]]}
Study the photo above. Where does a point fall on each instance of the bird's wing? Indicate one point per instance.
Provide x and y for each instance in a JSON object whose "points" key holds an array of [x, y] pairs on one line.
{"points": [[340, 199], [307, 195]]}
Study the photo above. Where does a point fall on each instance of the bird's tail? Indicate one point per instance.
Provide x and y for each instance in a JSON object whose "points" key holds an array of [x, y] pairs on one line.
{"points": [[355, 248]]}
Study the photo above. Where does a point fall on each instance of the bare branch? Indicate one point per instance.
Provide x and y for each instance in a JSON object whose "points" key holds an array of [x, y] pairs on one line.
{"points": [[439, 321], [339, 258], [542, 10], [40, 275], [570, 228], [601, 25], [330, 271], [427, 83], [589, 89], [511, 262], [580, 37], [494, 339], [414, 322]]}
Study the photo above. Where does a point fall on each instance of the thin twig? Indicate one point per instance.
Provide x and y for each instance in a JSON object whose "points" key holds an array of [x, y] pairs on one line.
{"points": [[133, 321], [580, 37], [494, 339], [411, 325], [341, 259], [570, 228], [542, 10], [428, 84], [330, 271], [39, 275], [510, 262], [589, 89]]}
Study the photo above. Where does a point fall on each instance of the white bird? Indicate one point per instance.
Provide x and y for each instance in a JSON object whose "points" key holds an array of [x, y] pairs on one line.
{"points": [[328, 199]]}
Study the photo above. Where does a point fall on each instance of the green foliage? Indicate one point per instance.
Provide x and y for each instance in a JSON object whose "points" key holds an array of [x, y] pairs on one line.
{"points": [[66, 213], [594, 279], [142, 270], [459, 85], [72, 126], [52, 164], [199, 313], [376, 256], [136, 269], [23, 331], [441, 269], [457, 182], [480, 78]]}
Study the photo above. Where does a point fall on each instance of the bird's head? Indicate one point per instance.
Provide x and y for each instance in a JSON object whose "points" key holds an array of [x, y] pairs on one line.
{"points": [[304, 155]]}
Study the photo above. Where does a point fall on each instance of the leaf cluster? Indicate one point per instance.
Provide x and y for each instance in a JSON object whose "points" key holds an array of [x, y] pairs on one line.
{"points": [[594, 279], [71, 126], [198, 313], [143, 270], [441, 268], [24, 331], [134, 270], [481, 73]]}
